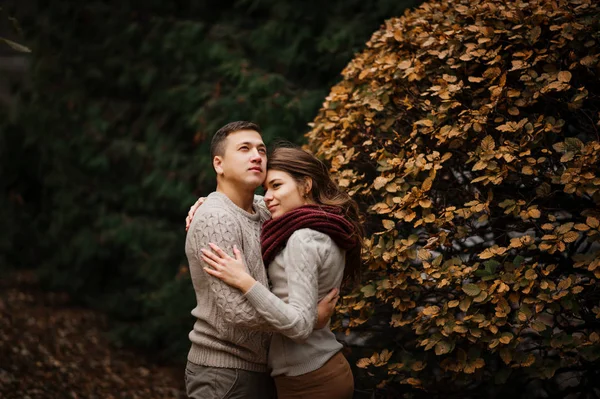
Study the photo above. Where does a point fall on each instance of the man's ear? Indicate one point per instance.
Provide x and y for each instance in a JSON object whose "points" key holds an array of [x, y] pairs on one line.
{"points": [[218, 164]]}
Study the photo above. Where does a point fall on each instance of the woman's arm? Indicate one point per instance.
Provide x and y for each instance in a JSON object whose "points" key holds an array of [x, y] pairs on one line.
{"points": [[302, 256]]}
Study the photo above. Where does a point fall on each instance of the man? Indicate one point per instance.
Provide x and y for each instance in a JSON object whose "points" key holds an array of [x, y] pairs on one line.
{"points": [[228, 356]]}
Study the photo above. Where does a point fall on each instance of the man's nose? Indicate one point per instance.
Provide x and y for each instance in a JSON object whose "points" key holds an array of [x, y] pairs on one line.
{"points": [[256, 157]]}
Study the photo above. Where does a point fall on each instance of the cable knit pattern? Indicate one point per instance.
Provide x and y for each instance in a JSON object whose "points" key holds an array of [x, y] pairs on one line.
{"points": [[310, 265], [228, 332]]}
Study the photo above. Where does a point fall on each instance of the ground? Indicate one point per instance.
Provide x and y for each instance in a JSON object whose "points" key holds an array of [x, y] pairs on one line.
{"points": [[51, 349]]}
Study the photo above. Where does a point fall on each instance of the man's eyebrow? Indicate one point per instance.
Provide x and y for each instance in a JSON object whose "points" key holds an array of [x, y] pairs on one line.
{"points": [[252, 143]]}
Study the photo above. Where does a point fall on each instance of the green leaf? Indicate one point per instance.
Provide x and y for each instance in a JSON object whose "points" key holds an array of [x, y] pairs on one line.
{"points": [[518, 261], [16, 46], [368, 290], [501, 376], [443, 347], [471, 289]]}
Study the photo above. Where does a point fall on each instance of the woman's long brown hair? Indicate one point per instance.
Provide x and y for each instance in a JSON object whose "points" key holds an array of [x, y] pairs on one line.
{"points": [[301, 164]]}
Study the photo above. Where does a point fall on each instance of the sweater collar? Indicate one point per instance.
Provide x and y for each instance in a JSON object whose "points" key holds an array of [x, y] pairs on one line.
{"points": [[233, 207]]}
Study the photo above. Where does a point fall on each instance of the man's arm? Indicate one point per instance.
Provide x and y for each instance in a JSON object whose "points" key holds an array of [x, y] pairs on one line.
{"points": [[220, 228]]}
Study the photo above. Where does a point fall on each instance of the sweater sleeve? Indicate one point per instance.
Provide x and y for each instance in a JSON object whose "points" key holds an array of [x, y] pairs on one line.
{"points": [[302, 256], [221, 229]]}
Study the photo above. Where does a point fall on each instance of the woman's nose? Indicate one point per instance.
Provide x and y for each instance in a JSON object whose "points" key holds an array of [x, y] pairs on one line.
{"points": [[268, 196]]}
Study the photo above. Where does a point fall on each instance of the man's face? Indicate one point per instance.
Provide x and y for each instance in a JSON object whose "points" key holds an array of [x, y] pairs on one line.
{"points": [[244, 160]]}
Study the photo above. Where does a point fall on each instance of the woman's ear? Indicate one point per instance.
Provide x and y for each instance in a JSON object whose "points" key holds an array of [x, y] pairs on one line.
{"points": [[307, 185]]}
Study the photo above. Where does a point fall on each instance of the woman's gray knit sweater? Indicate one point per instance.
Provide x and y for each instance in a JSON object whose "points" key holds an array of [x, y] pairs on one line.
{"points": [[309, 266]]}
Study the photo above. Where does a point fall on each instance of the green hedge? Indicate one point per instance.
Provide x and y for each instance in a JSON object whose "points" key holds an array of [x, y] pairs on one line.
{"points": [[109, 146]]}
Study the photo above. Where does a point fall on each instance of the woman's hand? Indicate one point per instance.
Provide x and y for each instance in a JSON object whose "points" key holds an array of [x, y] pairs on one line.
{"points": [[193, 209], [231, 271]]}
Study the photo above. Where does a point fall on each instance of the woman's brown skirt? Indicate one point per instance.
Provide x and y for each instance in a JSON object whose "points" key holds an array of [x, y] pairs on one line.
{"points": [[332, 381]]}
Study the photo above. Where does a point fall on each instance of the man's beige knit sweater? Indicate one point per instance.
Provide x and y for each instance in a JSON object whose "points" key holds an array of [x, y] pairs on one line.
{"points": [[228, 332]]}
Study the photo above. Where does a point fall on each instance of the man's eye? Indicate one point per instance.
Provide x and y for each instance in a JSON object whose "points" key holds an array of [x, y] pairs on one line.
{"points": [[262, 150], [244, 147]]}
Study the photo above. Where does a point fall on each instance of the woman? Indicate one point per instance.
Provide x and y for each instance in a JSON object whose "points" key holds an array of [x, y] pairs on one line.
{"points": [[310, 246]]}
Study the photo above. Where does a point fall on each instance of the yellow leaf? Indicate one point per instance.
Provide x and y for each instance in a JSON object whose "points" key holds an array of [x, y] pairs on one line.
{"points": [[488, 144], [481, 297], [564, 284], [404, 64], [460, 329], [429, 218], [465, 304], [388, 224], [380, 181], [545, 246], [592, 222], [418, 366], [413, 381], [534, 213], [567, 156], [527, 170], [480, 165], [423, 254], [508, 127], [363, 363], [582, 227], [577, 289], [562, 229], [571, 236], [516, 242], [564, 76], [529, 361], [431, 310], [453, 303], [486, 254], [530, 274], [424, 122], [425, 203], [427, 183]]}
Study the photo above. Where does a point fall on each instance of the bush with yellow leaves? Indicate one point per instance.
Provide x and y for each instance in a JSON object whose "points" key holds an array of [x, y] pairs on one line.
{"points": [[469, 130]]}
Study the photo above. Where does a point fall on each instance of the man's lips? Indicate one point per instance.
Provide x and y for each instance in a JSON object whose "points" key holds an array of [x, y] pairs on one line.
{"points": [[256, 168]]}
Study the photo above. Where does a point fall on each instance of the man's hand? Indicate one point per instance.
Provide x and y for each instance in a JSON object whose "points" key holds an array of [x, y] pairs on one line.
{"points": [[193, 208], [326, 307]]}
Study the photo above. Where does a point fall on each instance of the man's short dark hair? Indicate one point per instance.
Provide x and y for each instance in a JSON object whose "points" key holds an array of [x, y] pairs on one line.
{"points": [[217, 146]]}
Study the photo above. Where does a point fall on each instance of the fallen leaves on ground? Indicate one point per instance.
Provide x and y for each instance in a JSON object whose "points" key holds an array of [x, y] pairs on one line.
{"points": [[49, 349]]}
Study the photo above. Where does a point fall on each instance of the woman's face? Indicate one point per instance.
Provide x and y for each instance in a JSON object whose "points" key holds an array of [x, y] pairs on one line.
{"points": [[283, 193]]}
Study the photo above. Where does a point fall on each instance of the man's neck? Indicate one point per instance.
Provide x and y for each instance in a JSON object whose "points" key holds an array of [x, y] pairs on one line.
{"points": [[242, 198]]}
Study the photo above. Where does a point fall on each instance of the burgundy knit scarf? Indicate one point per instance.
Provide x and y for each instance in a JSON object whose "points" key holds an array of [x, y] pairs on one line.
{"points": [[323, 218]]}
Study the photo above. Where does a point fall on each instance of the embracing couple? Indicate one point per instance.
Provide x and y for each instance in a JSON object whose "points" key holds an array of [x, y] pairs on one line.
{"points": [[266, 272]]}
